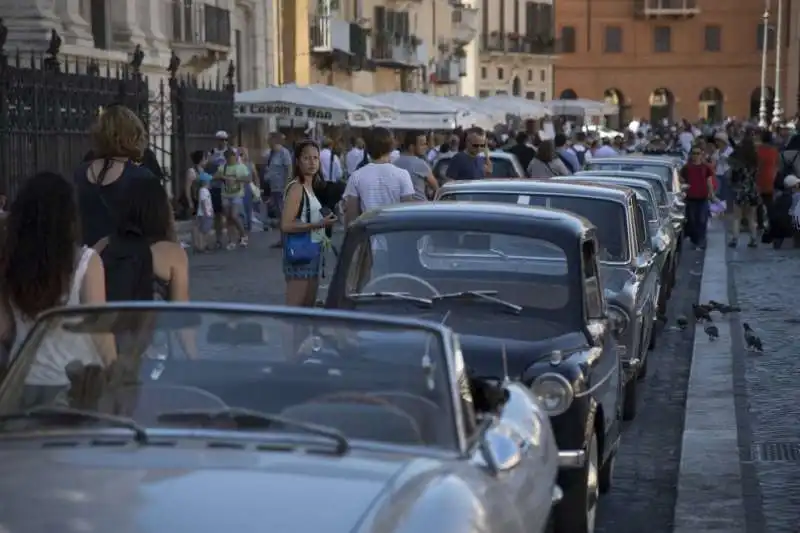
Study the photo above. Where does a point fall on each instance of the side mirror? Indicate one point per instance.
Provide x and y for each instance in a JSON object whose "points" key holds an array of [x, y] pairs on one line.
{"points": [[500, 451]]}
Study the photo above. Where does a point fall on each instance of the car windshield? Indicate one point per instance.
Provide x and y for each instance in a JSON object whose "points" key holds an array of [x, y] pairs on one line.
{"points": [[607, 216], [368, 379], [662, 171], [502, 167], [461, 278], [658, 185]]}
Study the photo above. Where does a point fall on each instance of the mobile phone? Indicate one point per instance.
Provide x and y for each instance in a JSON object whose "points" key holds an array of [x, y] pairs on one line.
{"points": [[325, 211]]}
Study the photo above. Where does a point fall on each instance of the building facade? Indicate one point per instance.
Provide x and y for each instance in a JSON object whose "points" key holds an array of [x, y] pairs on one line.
{"points": [[670, 59], [373, 46], [517, 48]]}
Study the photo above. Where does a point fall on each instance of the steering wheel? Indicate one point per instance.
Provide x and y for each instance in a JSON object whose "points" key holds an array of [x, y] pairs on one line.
{"points": [[404, 276]]}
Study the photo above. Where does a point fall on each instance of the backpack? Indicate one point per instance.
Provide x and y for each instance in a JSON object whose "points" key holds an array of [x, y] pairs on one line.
{"points": [[566, 163], [128, 263], [785, 169]]}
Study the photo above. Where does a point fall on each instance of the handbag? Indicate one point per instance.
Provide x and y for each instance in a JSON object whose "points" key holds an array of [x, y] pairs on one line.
{"points": [[298, 247]]}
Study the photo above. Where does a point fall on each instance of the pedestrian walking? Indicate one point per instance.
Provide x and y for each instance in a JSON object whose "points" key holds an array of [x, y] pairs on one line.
{"points": [[768, 158], [412, 158], [742, 178], [119, 140], [546, 163], [303, 227], [277, 174], [235, 178], [43, 265], [203, 228], [698, 180]]}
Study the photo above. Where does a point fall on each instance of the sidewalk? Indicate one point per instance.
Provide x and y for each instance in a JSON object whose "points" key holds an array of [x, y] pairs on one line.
{"points": [[740, 460]]}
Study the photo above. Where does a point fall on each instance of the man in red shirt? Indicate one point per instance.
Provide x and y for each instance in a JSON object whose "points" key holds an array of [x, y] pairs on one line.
{"points": [[698, 180]]}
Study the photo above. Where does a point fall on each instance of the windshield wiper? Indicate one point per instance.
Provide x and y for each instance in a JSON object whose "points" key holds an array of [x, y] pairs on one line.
{"points": [[404, 296], [248, 417], [485, 296], [60, 414]]}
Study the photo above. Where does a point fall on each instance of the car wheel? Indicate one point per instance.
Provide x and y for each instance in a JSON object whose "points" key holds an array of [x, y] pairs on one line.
{"points": [[578, 510], [629, 402], [606, 479], [643, 369]]}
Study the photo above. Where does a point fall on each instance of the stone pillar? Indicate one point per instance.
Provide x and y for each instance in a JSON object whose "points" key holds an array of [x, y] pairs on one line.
{"points": [[296, 44], [29, 23], [152, 16], [126, 31], [77, 30]]}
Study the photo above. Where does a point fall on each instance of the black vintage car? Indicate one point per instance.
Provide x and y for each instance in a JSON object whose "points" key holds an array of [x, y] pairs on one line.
{"points": [[522, 287]]}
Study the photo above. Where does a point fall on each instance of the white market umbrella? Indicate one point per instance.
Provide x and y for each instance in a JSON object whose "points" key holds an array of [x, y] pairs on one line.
{"points": [[520, 107], [302, 104]]}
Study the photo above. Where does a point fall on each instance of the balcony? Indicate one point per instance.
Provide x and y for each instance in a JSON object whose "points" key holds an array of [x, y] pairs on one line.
{"points": [[448, 71], [512, 43], [398, 51], [465, 23], [329, 33], [666, 8], [201, 33]]}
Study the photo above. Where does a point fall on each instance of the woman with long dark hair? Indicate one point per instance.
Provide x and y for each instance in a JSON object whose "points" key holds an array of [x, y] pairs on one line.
{"points": [[43, 266], [742, 178], [303, 226]]}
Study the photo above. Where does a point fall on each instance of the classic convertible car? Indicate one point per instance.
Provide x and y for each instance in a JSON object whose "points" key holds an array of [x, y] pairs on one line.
{"points": [[521, 287], [628, 271], [662, 235], [668, 208], [230, 417]]}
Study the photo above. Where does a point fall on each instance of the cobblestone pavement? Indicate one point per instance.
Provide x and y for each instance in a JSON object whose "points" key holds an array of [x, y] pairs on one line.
{"points": [[766, 283], [644, 493]]}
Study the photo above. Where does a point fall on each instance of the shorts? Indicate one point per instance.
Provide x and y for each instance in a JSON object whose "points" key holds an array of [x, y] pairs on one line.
{"points": [[205, 224], [235, 205], [309, 270], [216, 200]]}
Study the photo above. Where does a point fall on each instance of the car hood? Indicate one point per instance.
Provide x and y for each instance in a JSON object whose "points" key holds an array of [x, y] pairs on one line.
{"points": [[197, 489]]}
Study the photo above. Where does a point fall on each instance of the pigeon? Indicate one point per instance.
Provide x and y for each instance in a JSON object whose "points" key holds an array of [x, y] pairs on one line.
{"points": [[712, 331], [724, 309], [682, 322], [752, 340], [701, 313]]}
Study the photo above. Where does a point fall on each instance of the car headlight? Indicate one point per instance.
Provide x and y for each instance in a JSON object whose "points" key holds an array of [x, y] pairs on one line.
{"points": [[619, 318], [554, 392]]}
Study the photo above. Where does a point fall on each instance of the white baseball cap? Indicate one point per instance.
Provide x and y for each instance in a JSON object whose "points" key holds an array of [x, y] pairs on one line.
{"points": [[791, 181], [222, 135]]}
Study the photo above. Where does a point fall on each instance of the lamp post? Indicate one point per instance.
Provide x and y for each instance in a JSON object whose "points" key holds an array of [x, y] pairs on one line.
{"points": [[762, 108], [777, 112]]}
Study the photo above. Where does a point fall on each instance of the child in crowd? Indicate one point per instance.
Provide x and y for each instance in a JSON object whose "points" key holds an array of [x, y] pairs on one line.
{"points": [[203, 230]]}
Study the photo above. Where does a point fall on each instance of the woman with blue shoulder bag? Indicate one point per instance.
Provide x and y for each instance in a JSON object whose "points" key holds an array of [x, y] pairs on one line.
{"points": [[303, 226]]}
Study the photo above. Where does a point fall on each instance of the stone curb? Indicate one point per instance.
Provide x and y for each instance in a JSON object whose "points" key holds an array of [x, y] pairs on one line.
{"points": [[710, 497]]}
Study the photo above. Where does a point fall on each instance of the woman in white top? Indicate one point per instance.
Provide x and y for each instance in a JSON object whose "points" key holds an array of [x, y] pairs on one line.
{"points": [[302, 213], [43, 267]]}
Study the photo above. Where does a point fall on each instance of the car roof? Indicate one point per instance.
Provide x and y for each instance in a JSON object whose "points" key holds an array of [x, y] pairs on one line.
{"points": [[654, 159], [540, 186], [474, 216], [611, 173], [612, 180]]}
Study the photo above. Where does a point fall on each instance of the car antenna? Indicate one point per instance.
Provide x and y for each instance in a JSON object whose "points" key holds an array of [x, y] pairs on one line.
{"points": [[446, 316], [504, 356]]}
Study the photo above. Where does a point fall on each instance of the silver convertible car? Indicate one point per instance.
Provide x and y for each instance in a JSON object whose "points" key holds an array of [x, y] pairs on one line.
{"points": [[146, 417]]}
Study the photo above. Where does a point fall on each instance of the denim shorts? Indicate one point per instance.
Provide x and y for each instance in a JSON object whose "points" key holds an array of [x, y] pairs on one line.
{"points": [[235, 204], [205, 224]]}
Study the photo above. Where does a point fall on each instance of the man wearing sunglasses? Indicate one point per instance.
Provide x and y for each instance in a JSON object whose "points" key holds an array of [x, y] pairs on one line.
{"points": [[698, 180], [474, 162]]}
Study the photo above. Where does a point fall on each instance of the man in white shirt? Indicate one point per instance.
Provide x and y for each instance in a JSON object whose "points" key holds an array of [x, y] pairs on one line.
{"points": [[722, 166], [354, 156], [686, 139], [378, 183], [329, 163]]}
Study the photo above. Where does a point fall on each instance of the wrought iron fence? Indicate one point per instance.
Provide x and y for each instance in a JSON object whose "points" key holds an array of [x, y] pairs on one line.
{"points": [[48, 102]]}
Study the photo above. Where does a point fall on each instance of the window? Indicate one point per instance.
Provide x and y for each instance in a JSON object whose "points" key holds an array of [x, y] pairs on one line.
{"points": [[594, 299], [542, 96], [501, 93], [760, 37], [530, 95], [662, 39], [484, 73], [568, 40], [483, 94], [642, 237], [613, 40], [500, 73], [713, 38], [542, 75], [530, 74]]}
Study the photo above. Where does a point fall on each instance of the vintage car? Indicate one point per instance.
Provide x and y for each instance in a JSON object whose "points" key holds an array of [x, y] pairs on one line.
{"points": [[214, 417], [666, 205], [663, 237], [667, 167], [504, 165], [627, 263], [521, 286]]}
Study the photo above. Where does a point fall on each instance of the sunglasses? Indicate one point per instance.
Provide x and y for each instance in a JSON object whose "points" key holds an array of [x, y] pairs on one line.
{"points": [[483, 145]]}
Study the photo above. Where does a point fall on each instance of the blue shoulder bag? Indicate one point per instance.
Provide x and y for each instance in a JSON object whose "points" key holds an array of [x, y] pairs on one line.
{"points": [[298, 247]]}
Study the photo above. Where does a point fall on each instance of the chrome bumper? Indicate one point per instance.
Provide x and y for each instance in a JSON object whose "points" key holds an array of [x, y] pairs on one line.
{"points": [[558, 494], [571, 458]]}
